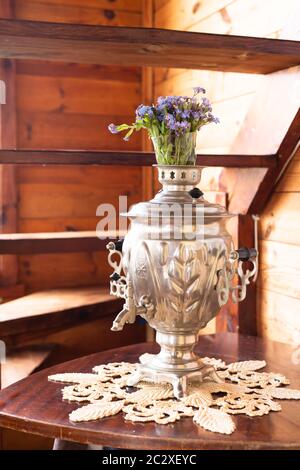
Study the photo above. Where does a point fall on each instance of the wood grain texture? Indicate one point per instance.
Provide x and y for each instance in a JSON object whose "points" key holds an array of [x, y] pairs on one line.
{"points": [[55, 308], [59, 130], [183, 15], [247, 310], [55, 242], [262, 135], [279, 269], [44, 68], [22, 406], [8, 177], [58, 270], [80, 13], [23, 362], [63, 106], [279, 319], [286, 153], [125, 5], [147, 97], [71, 95], [125, 46], [280, 252]]}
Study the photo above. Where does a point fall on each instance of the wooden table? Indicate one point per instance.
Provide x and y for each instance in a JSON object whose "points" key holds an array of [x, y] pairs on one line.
{"points": [[34, 405]]}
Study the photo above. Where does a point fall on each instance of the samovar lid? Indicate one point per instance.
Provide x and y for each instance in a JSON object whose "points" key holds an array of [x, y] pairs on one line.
{"points": [[179, 191]]}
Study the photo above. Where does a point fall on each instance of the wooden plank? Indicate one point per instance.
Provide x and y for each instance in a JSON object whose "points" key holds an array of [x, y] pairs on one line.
{"points": [[57, 130], [248, 18], [247, 309], [291, 181], [147, 97], [55, 242], [57, 224], [63, 270], [279, 268], [219, 86], [22, 362], [182, 14], [76, 157], [71, 95], [11, 292], [144, 47], [125, 5], [263, 131], [280, 221], [77, 14], [43, 68], [55, 308], [286, 153], [279, 319], [47, 200], [8, 178], [232, 113], [159, 4]]}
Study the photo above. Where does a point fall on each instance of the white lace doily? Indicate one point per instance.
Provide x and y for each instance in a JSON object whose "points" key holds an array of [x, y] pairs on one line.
{"points": [[210, 404]]}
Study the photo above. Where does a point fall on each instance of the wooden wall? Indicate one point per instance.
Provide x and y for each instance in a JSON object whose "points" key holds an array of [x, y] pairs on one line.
{"points": [[279, 294], [69, 106], [232, 95]]}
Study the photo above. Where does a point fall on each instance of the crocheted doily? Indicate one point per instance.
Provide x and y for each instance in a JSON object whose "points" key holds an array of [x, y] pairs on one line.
{"points": [[210, 404]]}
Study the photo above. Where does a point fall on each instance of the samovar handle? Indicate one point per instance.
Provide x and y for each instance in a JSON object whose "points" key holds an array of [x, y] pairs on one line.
{"points": [[233, 268], [121, 286], [244, 254]]}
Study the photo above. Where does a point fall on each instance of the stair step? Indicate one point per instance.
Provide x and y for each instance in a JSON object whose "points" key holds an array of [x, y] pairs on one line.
{"points": [[56, 308], [56, 242], [22, 362], [91, 44]]}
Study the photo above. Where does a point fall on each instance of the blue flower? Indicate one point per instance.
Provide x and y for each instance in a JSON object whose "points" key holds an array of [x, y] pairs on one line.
{"points": [[143, 110], [198, 89], [184, 114], [205, 102], [113, 129], [212, 118], [170, 121]]}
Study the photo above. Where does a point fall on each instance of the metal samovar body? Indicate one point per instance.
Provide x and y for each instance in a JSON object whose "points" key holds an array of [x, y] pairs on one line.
{"points": [[176, 267]]}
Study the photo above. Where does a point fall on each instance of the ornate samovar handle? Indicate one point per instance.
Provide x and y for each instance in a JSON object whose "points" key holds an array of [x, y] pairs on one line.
{"points": [[121, 286], [234, 266]]}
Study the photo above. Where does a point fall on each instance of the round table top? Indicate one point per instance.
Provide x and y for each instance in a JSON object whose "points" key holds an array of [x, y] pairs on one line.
{"points": [[35, 405]]}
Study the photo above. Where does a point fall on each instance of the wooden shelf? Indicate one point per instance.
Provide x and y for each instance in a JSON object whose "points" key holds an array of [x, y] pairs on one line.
{"points": [[54, 242], [80, 157], [55, 308], [144, 47]]}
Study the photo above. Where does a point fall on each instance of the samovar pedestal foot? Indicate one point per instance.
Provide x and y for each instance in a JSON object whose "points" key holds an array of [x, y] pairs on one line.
{"points": [[178, 379]]}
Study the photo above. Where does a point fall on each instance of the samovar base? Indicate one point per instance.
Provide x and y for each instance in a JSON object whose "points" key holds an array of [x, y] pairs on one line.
{"points": [[178, 382], [176, 363]]}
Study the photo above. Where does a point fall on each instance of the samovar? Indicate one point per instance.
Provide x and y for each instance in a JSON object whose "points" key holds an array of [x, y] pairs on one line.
{"points": [[176, 267]]}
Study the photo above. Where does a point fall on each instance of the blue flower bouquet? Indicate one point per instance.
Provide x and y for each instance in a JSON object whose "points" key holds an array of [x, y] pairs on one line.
{"points": [[172, 124]]}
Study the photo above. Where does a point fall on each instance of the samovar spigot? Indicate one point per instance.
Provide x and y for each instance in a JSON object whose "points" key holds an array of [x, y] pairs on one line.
{"points": [[121, 286]]}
